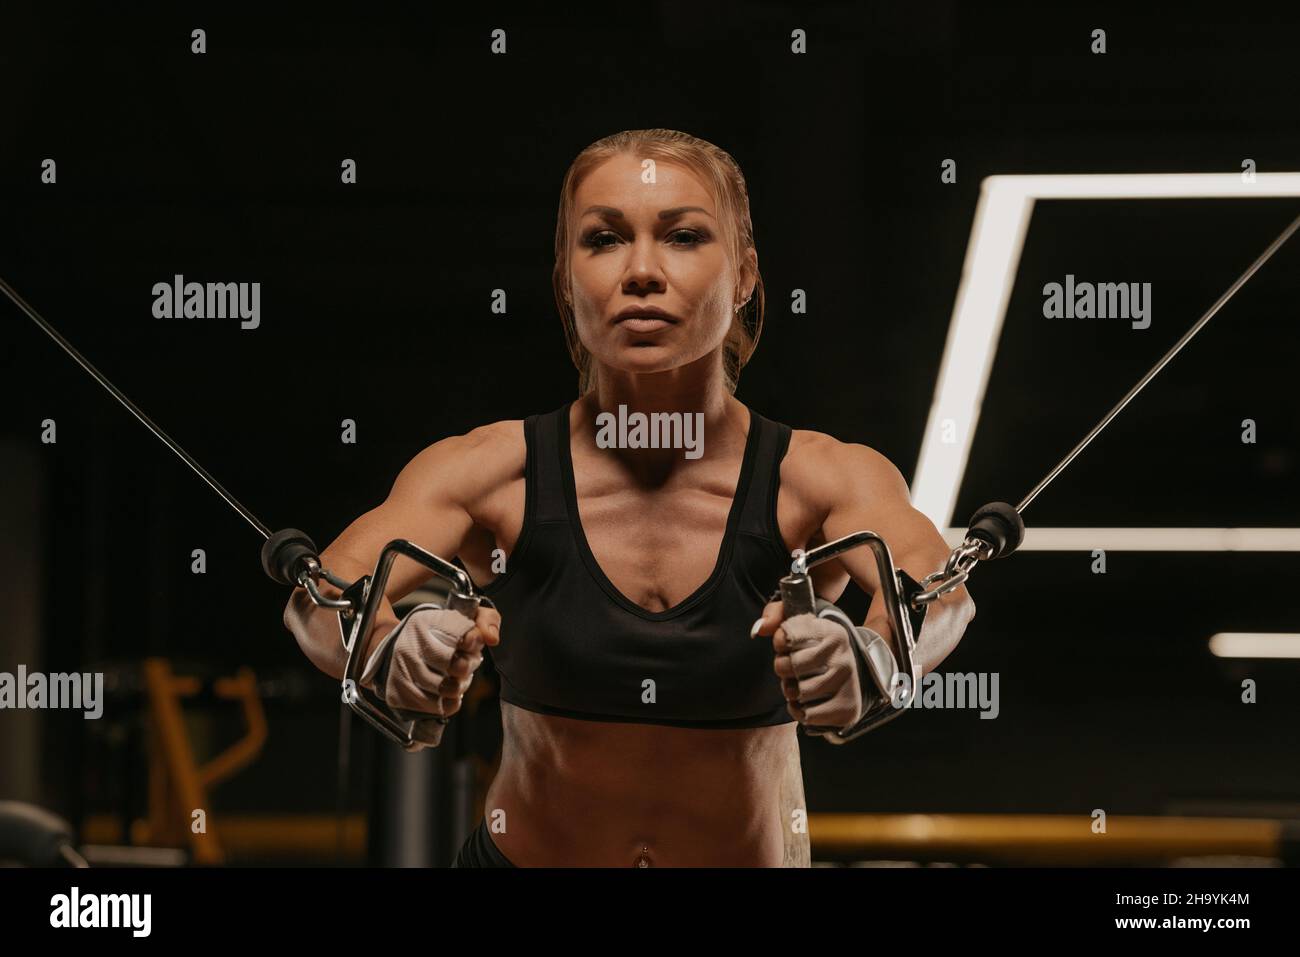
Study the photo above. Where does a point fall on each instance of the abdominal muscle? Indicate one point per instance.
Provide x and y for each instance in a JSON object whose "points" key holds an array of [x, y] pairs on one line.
{"points": [[575, 793], [570, 792]]}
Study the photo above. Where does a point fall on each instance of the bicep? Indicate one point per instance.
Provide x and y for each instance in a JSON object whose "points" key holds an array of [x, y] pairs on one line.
{"points": [[877, 499], [870, 493], [424, 506]]}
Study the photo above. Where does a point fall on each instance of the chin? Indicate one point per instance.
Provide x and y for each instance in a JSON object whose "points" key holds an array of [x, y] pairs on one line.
{"points": [[645, 359]]}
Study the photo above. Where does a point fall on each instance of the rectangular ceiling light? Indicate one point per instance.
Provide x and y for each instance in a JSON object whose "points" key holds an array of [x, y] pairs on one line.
{"points": [[1159, 539], [1243, 644], [992, 259]]}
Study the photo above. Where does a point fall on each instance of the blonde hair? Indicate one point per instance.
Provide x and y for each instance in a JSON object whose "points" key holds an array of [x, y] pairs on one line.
{"points": [[721, 174]]}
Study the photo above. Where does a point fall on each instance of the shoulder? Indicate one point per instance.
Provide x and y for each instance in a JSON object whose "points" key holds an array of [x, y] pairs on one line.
{"points": [[465, 467], [825, 471], [490, 447]]}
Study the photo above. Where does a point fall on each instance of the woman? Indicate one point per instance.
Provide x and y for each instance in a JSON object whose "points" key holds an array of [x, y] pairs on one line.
{"points": [[646, 722]]}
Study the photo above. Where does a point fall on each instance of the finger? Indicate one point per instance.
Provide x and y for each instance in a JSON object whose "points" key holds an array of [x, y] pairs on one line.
{"points": [[767, 622], [781, 642], [414, 698], [812, 659], [821, 687], [488, 623], [784, 667], [801, 631], [827, 715], [435, 654], [463, 665], [790, 688], [788, 640], [473, 641], [795, 667], [434, 681], [452, 686]]}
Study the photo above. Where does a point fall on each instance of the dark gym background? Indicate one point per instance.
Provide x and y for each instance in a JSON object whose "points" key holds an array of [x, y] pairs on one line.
{"points": [[375, 307]]}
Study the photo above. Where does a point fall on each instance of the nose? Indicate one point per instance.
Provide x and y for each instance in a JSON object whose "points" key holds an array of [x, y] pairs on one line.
{"points": [[644, 271]]}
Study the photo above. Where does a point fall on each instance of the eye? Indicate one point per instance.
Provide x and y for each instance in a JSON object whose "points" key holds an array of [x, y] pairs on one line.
{"points": [[592, 238], [595, 239], [696, 237]]}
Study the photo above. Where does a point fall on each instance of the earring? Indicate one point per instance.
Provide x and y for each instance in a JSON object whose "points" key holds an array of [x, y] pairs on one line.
{"points": [[741, 306]]}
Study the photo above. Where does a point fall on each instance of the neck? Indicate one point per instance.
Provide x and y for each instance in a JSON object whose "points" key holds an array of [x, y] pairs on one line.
{"points": [[698, 393]]}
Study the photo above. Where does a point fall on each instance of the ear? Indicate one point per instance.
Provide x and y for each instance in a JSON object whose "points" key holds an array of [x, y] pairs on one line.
{"points": [[749, 273]]}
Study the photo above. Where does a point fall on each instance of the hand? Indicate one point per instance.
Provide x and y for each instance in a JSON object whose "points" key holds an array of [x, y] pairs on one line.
{"points": [[817, 666], [424, 666]]}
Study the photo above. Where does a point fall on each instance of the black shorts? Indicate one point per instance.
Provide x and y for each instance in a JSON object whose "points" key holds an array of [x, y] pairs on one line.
{"points": [[479, 851]]}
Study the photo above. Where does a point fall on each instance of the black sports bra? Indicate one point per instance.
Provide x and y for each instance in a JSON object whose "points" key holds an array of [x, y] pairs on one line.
{"points": [[573, 645]]}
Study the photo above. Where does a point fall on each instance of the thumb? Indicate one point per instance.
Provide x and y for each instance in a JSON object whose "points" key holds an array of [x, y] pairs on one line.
{"points": [[767, 623]]}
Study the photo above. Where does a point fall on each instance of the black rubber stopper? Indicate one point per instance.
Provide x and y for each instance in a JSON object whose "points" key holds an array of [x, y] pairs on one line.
{"points": [[284, 553], [1000, 525]]}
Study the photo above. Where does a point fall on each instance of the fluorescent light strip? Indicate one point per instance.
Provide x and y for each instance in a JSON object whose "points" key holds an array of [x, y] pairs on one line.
{"points": [[992, 259], [997, 236], [1152, 539], [1243, 644], [1152, 185]]}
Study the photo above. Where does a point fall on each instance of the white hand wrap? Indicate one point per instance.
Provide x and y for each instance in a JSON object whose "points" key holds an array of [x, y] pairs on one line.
{"points": [[410, 668], [842, 669]]}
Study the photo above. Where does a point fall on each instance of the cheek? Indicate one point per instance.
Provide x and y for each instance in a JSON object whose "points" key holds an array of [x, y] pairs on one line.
{"points": [[595, 282], [713, 317], [586, 315]]}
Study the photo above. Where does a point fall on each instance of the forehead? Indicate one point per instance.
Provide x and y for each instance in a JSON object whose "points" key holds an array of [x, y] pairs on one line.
{"points": [[618, 182]]}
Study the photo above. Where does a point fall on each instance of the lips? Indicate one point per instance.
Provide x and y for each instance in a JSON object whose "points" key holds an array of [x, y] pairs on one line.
{"points": [[644, 323], [645, 319]]}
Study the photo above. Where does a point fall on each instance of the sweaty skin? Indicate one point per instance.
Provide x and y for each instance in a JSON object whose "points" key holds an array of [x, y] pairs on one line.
{"points": [[577, 792], [583, 793]]}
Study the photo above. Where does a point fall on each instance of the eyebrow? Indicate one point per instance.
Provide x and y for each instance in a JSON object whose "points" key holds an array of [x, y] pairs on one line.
{"points": [[673, 213]]}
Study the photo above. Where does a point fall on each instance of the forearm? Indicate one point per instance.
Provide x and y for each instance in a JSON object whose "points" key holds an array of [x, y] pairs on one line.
{"points": [[945, 623], [317, 629]]}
